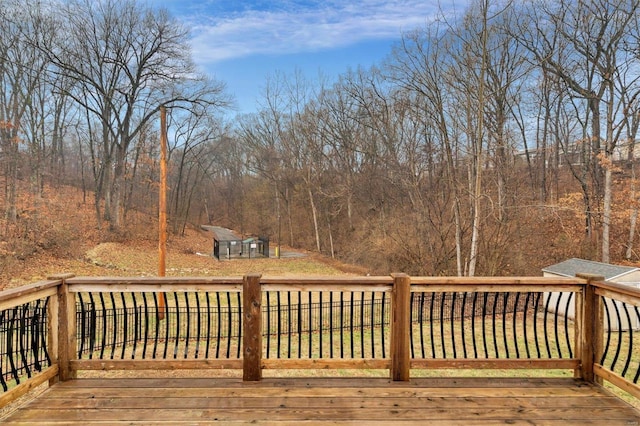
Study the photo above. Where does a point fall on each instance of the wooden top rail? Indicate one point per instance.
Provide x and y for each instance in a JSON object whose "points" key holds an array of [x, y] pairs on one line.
{"points": [[28, 293], [498, 280], [350, 283], [326, 283], [495, 284], [348, 280], [624, 293], [154, 284]]}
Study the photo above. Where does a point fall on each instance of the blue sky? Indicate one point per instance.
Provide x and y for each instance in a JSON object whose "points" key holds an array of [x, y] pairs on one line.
{"points": [[243, 42]]}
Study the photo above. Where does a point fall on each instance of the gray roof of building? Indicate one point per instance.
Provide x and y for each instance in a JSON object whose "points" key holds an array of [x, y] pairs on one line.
{"points": [[571, 267]]}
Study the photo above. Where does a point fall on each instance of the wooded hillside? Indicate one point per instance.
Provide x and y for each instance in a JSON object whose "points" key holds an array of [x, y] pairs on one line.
{"points": [[492, 143]]}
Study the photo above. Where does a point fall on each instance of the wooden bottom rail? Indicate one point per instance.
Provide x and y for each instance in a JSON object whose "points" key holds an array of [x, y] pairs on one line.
{"points": [[326, 364], [30, 384], [617, 380], [496, 364], [153, 364]]}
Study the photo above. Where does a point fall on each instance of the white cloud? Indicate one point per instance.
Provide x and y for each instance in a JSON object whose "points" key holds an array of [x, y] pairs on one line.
{"points": [[303, 26]]}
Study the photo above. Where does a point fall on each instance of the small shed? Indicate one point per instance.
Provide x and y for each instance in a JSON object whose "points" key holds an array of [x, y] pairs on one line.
{"points": [[626, 275], [228, 245]]}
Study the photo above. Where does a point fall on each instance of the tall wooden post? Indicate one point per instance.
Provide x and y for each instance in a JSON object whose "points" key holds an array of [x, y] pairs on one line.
{"points": [[589, 319], [162, 215], [66, 329], [58, 327], [252, 328], [400, 323]]}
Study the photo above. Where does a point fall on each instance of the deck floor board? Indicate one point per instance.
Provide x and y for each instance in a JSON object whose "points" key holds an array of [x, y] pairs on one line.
{"points": [[325, 401]]}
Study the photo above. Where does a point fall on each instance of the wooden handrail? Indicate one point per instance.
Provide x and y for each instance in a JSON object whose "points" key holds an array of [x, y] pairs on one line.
{"points": [[28, 293]]}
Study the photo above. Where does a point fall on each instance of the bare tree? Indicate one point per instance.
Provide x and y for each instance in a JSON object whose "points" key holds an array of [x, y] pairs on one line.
{"points": [[591, 34], [22, 68], [126, 61]]}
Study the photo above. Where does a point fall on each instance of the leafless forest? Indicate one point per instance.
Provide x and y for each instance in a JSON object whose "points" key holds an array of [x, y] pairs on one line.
{"points": [[491, 143]]}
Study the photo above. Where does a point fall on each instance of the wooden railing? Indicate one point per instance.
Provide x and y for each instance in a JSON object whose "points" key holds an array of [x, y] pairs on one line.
{"points": [[51, 330]]}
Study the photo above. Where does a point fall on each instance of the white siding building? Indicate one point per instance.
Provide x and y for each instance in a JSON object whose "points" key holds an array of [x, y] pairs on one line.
{"points": [[627, 275]]}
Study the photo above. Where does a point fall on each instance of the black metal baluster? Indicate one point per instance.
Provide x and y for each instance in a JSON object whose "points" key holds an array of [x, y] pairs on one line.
{"points": [[341, 324], [546, 322], [289, 325], [619, 344], [463, 310], [229, 325], [373, 325], [268, 334], [145, 305], [484, 324], [362, 325], [420, 325], [474, 303], [310, 325], [10, 345], [198, 325], [239, 310], [45, 344], [166, 324], [320, 324], [505, 303], [3, 383], [441, 318], [188, 325], [125, 334], [83, 330], [555, 325], [524, 325], [608, 317], [411, 344], [631, 345], [493, 324], [23, 332], [384, 321], [431, 325], [37, 328], [208, 299], [536, 306], [93, 325], [300, 327], [136, 325], [178, 325], [279, 324], [351, 314], [219, 331], [566, 325], [630, 352], [157, 325], [453, 322], [331, 324], [103, 346], [115, 325]]}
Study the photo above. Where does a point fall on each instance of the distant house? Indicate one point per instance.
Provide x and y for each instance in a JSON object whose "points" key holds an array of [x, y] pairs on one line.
{"points": [[561, 302]]}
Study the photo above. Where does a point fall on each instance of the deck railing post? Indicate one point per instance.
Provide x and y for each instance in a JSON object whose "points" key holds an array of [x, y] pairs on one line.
{"points": [[252, 328], [53, 324], [400, 323], [66, 328], [589, 320]]}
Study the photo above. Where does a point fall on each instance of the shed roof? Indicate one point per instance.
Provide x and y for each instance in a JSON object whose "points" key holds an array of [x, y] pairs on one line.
{"points": [[571, 267]]}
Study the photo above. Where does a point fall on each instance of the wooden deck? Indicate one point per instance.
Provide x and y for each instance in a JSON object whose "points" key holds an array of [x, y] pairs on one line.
{"points": [[324, 401]]}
